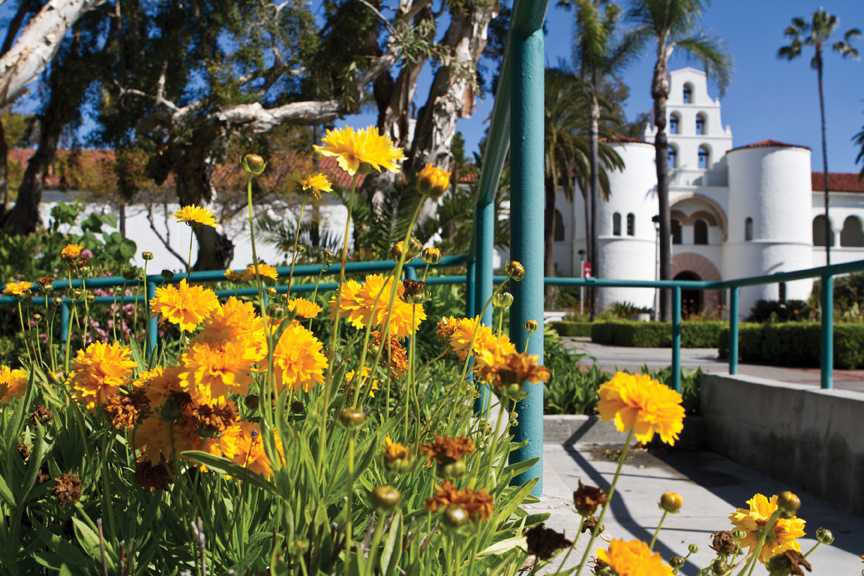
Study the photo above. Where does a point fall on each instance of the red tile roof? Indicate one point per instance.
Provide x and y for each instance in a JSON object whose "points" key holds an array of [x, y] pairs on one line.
{"points": [[838, 182], [769, 144]]}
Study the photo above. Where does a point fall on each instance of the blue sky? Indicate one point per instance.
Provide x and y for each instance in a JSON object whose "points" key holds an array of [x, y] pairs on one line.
{"points": [[768, 98]]}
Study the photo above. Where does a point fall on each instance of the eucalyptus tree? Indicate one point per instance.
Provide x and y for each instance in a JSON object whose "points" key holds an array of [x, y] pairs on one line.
{"points": [[817, 34], [673, 25]]}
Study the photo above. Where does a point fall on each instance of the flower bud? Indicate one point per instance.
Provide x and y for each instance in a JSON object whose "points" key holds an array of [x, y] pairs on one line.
{"points": [[414, 291], [502, 300], [789, 503], [671, 502], [455, 515], [531, 325], [515, 270], [386, 497], [433, 180], [677, 562], [454, 469], [824, 536], [693, 549], [147, 255], [432, 255], [254, 164], [352, 417]]}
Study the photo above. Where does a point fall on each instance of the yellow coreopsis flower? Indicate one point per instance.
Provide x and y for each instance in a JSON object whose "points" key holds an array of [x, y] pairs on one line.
{"points": [[242, 443], [71, 251], [303, 308], [195, 215], [161, 440], [17, 289], [261, 269], [159, 384], [212, 373], [752, 519], [353, 148], [433, 180], [316, 184], [639, 403], [369, 302], [99, 371], [184, 305], [236, 321], [13, 383], [298, 359], [633, 558]]}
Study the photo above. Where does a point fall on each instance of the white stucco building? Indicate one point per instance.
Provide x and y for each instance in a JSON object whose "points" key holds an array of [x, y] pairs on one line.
{"points": [[736, 210]]}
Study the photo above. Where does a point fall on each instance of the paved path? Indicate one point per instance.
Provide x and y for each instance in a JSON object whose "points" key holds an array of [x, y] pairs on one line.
{"points": [[626, 358], [712, 487]]}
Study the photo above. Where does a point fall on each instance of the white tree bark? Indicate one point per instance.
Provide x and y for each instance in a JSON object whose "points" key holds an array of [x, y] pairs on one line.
{"points": [[38, 44]]}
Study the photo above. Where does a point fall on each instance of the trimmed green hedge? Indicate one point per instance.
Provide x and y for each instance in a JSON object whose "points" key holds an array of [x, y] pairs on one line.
{"points": [[795, 344], [696, 334], [572, 328]]}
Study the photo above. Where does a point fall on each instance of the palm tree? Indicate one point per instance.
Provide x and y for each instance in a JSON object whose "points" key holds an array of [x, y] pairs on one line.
{"points": [[859, 140], [567, 148], [598, 56], [817, 33], [673, 25]]}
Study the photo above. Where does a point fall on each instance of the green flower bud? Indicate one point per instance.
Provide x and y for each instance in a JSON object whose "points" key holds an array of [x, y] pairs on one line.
{"points": [[386, 497], [352, 417], [456, 515]]}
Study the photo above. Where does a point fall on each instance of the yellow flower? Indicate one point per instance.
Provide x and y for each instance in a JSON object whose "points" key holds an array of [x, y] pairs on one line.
{"points": [[639, 403], [71, 251], [463, 333], [195, 215], [351, 148], [751, 521], [298, 360], [303, 308], [17, 288], [434, 180], [184, 305], [369, 301], [671, 502], [261, 269], [13, 383], [236, 320], [432, 254], [633, 558], [211, 373], [99, 371], [316, 184], [242, 443], [161, 440], [158, 384]]}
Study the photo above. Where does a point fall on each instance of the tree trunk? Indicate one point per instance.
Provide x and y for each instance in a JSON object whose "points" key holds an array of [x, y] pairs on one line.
{"points": [[828, 231], [38, 44], [4, 171], [549, 229], [660, 94], [594, 190]]}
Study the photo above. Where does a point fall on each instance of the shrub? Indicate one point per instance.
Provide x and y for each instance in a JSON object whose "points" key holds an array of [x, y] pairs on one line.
{"points": [[795, 344], [776, 311], [702, 334], [571, 328]]}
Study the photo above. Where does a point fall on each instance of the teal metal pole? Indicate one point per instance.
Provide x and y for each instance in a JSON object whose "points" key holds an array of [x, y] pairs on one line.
{"points": [[410, 273], [676, 338], [64, 321], [484, 244], [470, 279], [827, 363], [526, 220], [733, 330], [152, 322]]}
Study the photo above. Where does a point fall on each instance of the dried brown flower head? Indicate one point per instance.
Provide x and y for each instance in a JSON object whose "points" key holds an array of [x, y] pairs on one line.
{"points": [[213, 420], [789, 563], [544, 542], [478, 504], [724, 543], [448, 449], [153, 477], [125, 410], [41, 415], [67, 489], [395, 355], [587, 499]]}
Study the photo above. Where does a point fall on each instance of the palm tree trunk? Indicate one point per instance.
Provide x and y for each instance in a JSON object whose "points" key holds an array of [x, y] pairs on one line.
{"points": [[4, 171], [593, 192], [819, 73], [660, 94]]}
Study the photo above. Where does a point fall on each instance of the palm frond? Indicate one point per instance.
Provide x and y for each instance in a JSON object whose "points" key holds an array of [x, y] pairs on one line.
{"points": [[709, 51]]}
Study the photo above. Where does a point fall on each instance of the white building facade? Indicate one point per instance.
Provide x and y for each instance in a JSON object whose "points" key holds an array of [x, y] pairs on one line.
{"points": [[736, 211]]}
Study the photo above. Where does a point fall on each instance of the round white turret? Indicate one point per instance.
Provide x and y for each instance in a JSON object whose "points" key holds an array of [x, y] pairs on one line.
{"points": [[769, 218]]}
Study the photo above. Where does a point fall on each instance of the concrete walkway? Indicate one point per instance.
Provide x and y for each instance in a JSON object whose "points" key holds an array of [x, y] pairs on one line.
{"points": [[712, 488], [626, 358]]}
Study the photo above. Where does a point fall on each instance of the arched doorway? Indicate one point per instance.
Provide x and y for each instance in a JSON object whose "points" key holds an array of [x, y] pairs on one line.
{"points": [[691, 299]]}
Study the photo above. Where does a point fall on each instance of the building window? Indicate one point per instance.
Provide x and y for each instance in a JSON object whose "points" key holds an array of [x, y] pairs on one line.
{"points": [[700, 232], [672, 157], [700, 124], [852, 234], [559, 226], [688, 93], [616, 224], [819, 231], [674, 124], [631, 224], [704, 157], [676, 232], [748, 229]]}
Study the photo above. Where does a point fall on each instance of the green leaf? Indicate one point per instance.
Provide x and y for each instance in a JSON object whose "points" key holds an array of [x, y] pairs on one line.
{"points": [[520, 467], [390, 543], [6, 493], [65, 571], [504, 546], [229, 468]]}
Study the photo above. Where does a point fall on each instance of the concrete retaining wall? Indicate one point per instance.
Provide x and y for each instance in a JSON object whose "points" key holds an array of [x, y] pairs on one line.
{"points": [[802, 435]]}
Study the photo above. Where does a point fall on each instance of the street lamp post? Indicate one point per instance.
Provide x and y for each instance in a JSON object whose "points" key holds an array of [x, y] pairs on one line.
{"points": [[581, 286]]}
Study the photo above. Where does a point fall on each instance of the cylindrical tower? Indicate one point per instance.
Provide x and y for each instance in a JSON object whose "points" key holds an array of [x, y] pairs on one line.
{"points": [[626, 235], [770, 200]]}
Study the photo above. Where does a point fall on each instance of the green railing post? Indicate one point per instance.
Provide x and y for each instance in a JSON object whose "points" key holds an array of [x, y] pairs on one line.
{"points": [[676, 339], [733, 330], [470, 280], [64, 321], [484, 244], [410, 273], [152, 320], [526, 220], [827, 357]]}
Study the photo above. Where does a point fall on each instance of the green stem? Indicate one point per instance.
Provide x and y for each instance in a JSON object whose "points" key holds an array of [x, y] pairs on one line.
{"points": [[763, 536], [572, 546], [189, 257], [294, 252], [659, 527]]}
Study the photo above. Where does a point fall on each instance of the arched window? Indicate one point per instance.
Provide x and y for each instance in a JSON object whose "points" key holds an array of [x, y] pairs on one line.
{"points": [[559, 226], [704, 157], [631, 224], [700, 232], [688, 93], [616, 224], [674, 123], [748, 229], [852, 234], [700, 124], [672, 157], [676, 232], [819, 231]]}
